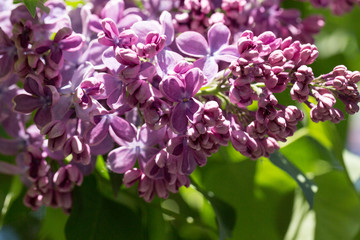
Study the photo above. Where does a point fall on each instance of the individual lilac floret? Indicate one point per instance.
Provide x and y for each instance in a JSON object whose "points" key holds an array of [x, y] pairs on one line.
{"points": [[67, 177], [80, 150], [64, 40], [303, 77], [211, 131], [154, 43], [324, 110], [42, 99], [194, 44], [106, 124], [156, 113], [141, 148], [185, 157], [57, 134], [181, 89], [155, 39], [114, 9], [113, 38]]}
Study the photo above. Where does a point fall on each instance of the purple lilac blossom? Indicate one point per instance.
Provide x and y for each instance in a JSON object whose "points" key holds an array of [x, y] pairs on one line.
{"points": [[104, 79]]}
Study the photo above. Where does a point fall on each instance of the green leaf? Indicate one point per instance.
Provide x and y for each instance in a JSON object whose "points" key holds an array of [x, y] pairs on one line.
{"points": [[53, 225], [31, 6], [41, 5], [308, 187], [100, 217], [225, 213], [337, 208], [13, 190], [225, 216], [309, 155], [101, 167], [352, 163]]}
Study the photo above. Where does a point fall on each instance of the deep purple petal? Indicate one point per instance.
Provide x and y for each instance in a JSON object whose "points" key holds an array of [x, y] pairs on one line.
{"points": [[121, 159], [103, 147], [218, 36], [193, 110], [192, 43], [33, 86], [194, 80], [41, 47], [43, 116], [71, 43], [56, 55], [178, 119], [172, 88], [26, 103], [62, 33], [122, 129], [99, 132]]}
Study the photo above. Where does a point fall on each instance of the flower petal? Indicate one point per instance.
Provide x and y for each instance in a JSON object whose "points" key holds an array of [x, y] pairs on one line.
{"points": [[122, 129], [25, 103], [99, 132], [72, 43], [43, 116], [121, 159], [209, 67], [194, 80], [172, 88], [192, 44], [113, 9], [151, 137], [193, 110], [178, 119], [167, 27], [144, 27], [62, 33], [218, 36]]}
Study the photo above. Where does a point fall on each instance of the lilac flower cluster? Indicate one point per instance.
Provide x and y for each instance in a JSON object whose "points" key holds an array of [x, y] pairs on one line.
{"points": [[106, 79], [338, 7], [241, 15]]}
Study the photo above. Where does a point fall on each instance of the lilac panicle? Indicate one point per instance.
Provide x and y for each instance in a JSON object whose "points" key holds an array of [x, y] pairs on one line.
{"points": [[156, 99]]}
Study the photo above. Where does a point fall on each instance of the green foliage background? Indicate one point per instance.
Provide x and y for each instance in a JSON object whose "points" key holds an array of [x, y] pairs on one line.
{"points": [[231, 197]]}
